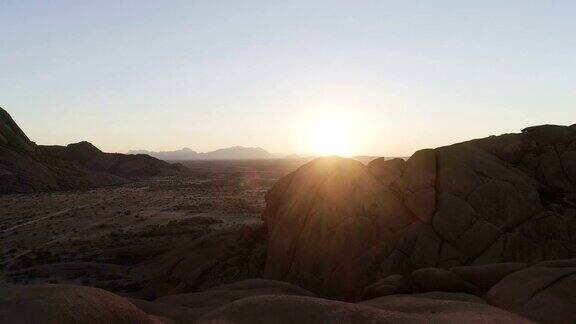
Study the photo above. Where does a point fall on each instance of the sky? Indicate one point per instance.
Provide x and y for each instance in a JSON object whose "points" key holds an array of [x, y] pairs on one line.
{"points": [[360, 77]]}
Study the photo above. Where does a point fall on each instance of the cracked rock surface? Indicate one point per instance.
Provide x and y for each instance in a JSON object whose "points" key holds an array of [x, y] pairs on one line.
{"points": [[335, 226]]}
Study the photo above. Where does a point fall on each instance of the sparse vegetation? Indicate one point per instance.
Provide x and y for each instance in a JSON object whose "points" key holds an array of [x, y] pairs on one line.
{"points": [[125, 225]]}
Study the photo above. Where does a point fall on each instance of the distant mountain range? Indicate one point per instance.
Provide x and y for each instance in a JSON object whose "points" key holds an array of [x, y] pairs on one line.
{"points": [[231, 153]]}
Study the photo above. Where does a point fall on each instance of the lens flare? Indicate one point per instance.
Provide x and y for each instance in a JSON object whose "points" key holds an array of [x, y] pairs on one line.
{"points": [[331, 137]]}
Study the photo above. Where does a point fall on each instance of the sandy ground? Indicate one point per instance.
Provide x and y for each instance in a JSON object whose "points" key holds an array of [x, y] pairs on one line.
{"points": [[94, 237]]}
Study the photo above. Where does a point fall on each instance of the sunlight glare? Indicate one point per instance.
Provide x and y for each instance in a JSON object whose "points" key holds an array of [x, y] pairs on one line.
{"points": [[331, 137]]}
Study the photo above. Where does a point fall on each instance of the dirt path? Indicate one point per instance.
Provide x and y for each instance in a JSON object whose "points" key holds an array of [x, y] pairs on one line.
{"points": [[58, 213]]}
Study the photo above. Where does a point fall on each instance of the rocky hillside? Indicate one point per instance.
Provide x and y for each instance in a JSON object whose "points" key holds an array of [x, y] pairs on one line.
{"points": [[335, 226], [27, 167]]}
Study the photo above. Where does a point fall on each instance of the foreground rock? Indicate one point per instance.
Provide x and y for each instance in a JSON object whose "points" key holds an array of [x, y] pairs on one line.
{"points": [[295, 309], [222, 257], [187, 308], [27, 167], [442, 310], [544, 293], [220, 295], [191, 306], [335, 226], [290, 309], [66, 304], [257, 301]]}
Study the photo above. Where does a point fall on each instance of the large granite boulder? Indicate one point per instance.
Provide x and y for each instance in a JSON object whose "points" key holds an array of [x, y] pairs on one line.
{"points": [[475, 280], [336, 226], [328, 223], [545, 293]]}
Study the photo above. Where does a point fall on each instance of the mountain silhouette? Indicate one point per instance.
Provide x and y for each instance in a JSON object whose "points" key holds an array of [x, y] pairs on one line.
{"points": [[230, 153], [27, 167]]}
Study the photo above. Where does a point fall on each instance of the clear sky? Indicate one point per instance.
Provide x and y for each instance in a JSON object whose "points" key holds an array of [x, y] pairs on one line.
{"points": [[393, 76]]}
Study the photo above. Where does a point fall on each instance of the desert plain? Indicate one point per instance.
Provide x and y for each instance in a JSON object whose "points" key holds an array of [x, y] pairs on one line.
{"points": [[95, 237]]}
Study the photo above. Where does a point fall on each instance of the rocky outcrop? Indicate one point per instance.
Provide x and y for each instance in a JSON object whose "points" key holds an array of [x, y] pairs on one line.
{"points": [[27, 167], [328, 223], [218, 258], [471, 280], [544, 293], [335, 225]]}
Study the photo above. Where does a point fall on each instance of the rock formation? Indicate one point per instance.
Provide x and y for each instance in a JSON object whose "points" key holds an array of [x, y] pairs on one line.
{"points": [[218, 258], [480, 231], [250, 301], [27, 167], [335, 226], [327, 224], [66, 304]]}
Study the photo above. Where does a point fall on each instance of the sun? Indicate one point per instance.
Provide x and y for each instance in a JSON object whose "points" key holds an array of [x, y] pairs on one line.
{"points": [[331, 136]]}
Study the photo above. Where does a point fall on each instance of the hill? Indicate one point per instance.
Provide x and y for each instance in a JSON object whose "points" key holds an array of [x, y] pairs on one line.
{"points": [[27, 167], [182, 154]]}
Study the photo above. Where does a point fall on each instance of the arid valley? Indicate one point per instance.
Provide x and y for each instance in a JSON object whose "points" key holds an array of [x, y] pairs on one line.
{"points": [[96, 237]]}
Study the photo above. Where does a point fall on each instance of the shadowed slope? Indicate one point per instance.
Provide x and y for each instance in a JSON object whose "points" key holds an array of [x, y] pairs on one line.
{"points": [[27, 167], [334, 224], [327, 223], [11, 135]]}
